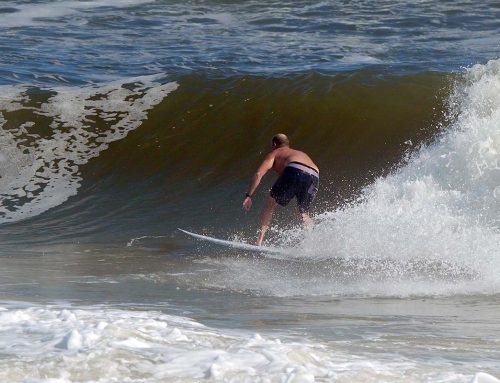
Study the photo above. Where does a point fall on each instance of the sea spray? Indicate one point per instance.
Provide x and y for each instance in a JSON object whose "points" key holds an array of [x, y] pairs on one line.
{"points": [[440, 207]]}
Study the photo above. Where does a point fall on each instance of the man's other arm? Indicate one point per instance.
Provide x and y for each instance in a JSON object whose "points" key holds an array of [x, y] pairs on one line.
{"points": [[257, 177]]}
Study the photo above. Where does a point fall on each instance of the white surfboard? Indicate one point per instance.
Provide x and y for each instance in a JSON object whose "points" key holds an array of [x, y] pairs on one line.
{"points": [[237, 245]]}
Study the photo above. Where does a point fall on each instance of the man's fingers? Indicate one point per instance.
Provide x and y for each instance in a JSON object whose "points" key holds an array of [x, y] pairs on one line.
{"points": [[247, 204]]}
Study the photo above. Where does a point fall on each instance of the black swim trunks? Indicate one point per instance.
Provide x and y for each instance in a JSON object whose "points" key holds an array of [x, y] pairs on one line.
{"points": [[298, 180]]}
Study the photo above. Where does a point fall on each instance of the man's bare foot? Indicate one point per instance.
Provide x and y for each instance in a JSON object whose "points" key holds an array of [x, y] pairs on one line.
{"points": [[307, 221]]}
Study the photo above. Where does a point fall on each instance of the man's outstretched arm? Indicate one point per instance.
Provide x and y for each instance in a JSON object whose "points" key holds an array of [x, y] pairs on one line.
{"points": [[257, 177]]}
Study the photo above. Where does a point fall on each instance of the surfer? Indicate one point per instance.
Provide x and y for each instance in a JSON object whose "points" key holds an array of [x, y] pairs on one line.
{"points": [[298, 177]]}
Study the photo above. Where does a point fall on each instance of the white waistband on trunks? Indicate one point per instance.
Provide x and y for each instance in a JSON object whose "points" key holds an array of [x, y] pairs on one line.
{"points": [[304, 168]]}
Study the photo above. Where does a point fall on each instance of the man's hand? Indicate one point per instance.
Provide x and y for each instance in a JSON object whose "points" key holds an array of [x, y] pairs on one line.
{"points": [[263, 168], [247, 203]]}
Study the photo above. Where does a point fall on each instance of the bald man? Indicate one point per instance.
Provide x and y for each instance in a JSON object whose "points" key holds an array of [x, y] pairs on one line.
{"points": [[298, 177]]}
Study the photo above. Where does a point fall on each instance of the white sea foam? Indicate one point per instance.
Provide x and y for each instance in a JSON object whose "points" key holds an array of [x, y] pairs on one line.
{"points": [[35, 14], [360, 59], [40, 172], [47, 343], [482, 377]]}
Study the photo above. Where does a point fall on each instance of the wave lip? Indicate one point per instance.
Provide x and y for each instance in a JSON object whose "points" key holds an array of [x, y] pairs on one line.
{"points": [[41, 170]]}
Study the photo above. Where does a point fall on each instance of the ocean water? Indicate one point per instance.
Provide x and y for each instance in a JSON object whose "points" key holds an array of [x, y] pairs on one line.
{"points": [[123, 120]]}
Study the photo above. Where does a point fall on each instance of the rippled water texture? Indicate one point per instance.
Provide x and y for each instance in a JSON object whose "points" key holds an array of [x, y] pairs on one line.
{"points": [[81, 41]]}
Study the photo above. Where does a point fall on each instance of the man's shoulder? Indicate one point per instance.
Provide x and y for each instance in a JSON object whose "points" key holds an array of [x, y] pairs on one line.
{"points": [[270, 155]]}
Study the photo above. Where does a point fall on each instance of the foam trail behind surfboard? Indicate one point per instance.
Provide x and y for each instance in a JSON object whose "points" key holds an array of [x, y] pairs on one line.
{"points": [[236, 244]]}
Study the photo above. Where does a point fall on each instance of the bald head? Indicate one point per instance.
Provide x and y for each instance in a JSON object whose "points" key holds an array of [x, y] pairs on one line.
{"points": [[280, 140]]}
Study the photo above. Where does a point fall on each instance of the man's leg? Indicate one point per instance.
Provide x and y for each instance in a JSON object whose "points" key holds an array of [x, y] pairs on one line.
{"points": [[265, 218], [305, 198]]}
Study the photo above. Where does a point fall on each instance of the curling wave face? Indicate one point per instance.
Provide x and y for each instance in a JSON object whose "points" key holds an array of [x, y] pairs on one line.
{"points": [[55, 140]]}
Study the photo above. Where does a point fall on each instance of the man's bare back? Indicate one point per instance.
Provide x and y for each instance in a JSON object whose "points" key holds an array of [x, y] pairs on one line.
{"points": [[283, 156]]}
